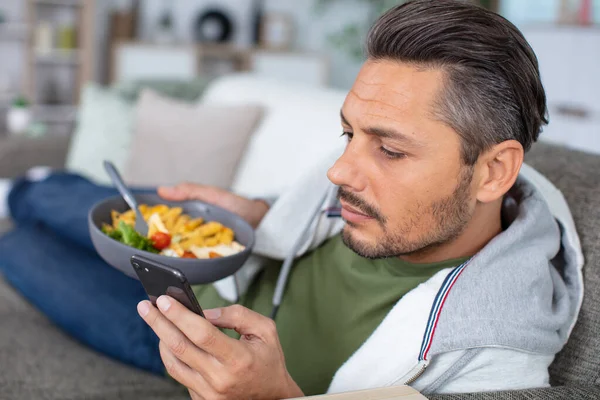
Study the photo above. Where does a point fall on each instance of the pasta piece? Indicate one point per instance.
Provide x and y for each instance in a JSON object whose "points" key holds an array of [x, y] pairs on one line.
{"points": [[209, 229], [144, 211], [170, 217], [159, 209], [211, 242], [193, 224], [180, 223], [226, 238], [195, 240]]}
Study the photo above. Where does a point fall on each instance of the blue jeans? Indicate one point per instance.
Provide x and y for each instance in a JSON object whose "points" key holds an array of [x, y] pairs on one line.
{"points": [[50, 259]]}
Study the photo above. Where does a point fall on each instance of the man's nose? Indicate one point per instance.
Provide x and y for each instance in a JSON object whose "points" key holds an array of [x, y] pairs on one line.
{"points": [[346, 173]]}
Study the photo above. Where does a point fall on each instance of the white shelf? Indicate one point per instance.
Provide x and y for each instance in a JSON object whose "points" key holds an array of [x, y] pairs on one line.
{"points": [[58, 56], [60, 3]]}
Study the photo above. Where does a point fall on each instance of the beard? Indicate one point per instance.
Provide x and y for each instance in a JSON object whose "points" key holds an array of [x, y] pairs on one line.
{"points": [[440, 223]]}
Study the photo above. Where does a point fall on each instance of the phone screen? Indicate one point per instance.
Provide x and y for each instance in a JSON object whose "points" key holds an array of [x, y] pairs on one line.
{"points": [[159, 279]]}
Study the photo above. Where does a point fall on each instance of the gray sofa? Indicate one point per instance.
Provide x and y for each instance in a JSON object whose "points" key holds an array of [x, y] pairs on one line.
{"points": [[38, 361]]}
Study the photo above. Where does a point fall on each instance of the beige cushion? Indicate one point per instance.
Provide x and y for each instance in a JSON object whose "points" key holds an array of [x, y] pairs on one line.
{"points": [[176, 141]]}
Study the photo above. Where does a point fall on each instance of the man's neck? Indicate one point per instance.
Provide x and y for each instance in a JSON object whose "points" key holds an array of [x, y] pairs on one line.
{"points": [[483, 227]]}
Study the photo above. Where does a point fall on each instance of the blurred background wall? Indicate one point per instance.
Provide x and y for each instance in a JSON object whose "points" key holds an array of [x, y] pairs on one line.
{"points": [[51, 48]]}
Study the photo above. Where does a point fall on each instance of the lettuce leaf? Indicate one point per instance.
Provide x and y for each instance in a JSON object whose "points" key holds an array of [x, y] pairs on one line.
{"points": [[126, 234]]}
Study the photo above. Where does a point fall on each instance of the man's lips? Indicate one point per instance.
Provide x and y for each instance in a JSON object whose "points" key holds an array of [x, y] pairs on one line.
{"points": [[353, 215]]}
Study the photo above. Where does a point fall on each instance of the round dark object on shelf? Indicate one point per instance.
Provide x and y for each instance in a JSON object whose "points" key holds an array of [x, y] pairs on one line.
{"points": [[213, 26]]}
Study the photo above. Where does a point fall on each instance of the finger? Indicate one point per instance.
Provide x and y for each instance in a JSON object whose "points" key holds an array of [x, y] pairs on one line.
{"points": [[181, 192], [198, 330], [182, 373], [177, 342], [244, 321]]}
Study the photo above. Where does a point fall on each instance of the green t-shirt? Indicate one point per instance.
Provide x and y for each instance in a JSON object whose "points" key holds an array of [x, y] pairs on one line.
{"points": [[333, 302]]}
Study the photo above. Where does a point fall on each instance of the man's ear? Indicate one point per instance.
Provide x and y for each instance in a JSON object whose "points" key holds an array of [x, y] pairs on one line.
{"points": [[498, 170]]}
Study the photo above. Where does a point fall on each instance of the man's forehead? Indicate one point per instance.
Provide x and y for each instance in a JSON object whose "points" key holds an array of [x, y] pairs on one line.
{"points": [[395, 85]]}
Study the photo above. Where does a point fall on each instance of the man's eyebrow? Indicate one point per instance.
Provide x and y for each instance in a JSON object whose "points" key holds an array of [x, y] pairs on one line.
{"points": [[385, 133], [344, 120]]}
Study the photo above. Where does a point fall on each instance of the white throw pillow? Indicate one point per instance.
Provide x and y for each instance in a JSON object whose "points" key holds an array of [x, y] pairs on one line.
{"points": [[301, 126], [103, 132]]}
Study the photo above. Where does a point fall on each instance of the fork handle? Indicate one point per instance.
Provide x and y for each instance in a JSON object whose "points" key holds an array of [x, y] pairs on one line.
{"points": [[121, 187]]}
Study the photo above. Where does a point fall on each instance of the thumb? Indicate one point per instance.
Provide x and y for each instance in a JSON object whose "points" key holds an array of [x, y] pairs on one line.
{"points": [[243, 320]]}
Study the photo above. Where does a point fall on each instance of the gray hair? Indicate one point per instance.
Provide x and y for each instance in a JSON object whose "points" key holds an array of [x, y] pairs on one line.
{"points": [[493, 90]]}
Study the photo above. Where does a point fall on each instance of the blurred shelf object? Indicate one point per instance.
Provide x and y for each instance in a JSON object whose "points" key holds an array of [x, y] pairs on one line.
{"points": [[59, 56], [13, 31], [216, 60]]}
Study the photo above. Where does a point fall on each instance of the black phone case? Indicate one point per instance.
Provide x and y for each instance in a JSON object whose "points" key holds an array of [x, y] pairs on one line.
{"points": [[159, 279]]}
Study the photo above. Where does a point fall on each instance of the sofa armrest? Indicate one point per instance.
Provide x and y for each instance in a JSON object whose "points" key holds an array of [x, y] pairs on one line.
{"points": [[19, 154], [583, 392]]}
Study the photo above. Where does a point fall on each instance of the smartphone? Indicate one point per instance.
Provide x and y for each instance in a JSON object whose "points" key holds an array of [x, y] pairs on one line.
{"points": [[159, 279]]}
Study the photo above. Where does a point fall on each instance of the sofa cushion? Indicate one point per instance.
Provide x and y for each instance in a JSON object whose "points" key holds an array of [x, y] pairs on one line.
{"points": [[38, 361], [576, 175], [103, 132], [176, 141]]}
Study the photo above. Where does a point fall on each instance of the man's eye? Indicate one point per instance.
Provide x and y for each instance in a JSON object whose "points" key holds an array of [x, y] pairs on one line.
{"points": [[348, 135], [392, 154]]}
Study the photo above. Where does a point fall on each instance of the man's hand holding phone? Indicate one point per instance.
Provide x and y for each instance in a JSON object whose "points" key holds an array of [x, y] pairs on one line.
{"points": [[211, 364]]}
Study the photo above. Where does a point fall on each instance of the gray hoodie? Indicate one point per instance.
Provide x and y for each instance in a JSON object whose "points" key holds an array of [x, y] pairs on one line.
{"points": [[495, 323]]}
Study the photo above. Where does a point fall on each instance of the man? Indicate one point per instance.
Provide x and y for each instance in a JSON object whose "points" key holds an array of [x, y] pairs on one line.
{"points": [[437, 123], [448, 273]]}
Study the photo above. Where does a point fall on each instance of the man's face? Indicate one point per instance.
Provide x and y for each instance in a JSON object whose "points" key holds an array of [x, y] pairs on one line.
{"points": [[403, 186]]}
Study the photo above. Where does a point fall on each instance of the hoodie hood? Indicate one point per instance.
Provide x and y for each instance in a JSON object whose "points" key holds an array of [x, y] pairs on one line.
{"points": [[523, 290]]}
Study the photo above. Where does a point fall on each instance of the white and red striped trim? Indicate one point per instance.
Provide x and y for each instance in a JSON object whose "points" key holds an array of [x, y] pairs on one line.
{"points": [[436, 309]]}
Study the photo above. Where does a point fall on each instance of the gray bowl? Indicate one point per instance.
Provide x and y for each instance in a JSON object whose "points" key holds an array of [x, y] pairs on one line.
{"points": [[197, 271]]}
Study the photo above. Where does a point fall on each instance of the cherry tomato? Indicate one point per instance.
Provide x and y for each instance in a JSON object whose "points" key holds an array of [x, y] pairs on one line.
{"points": [[188, 254], [161, 240]]}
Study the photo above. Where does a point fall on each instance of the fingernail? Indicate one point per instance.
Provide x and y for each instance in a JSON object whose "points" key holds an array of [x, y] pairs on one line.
{"points": [[143, 308], [214, 313], [163, 303]]}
